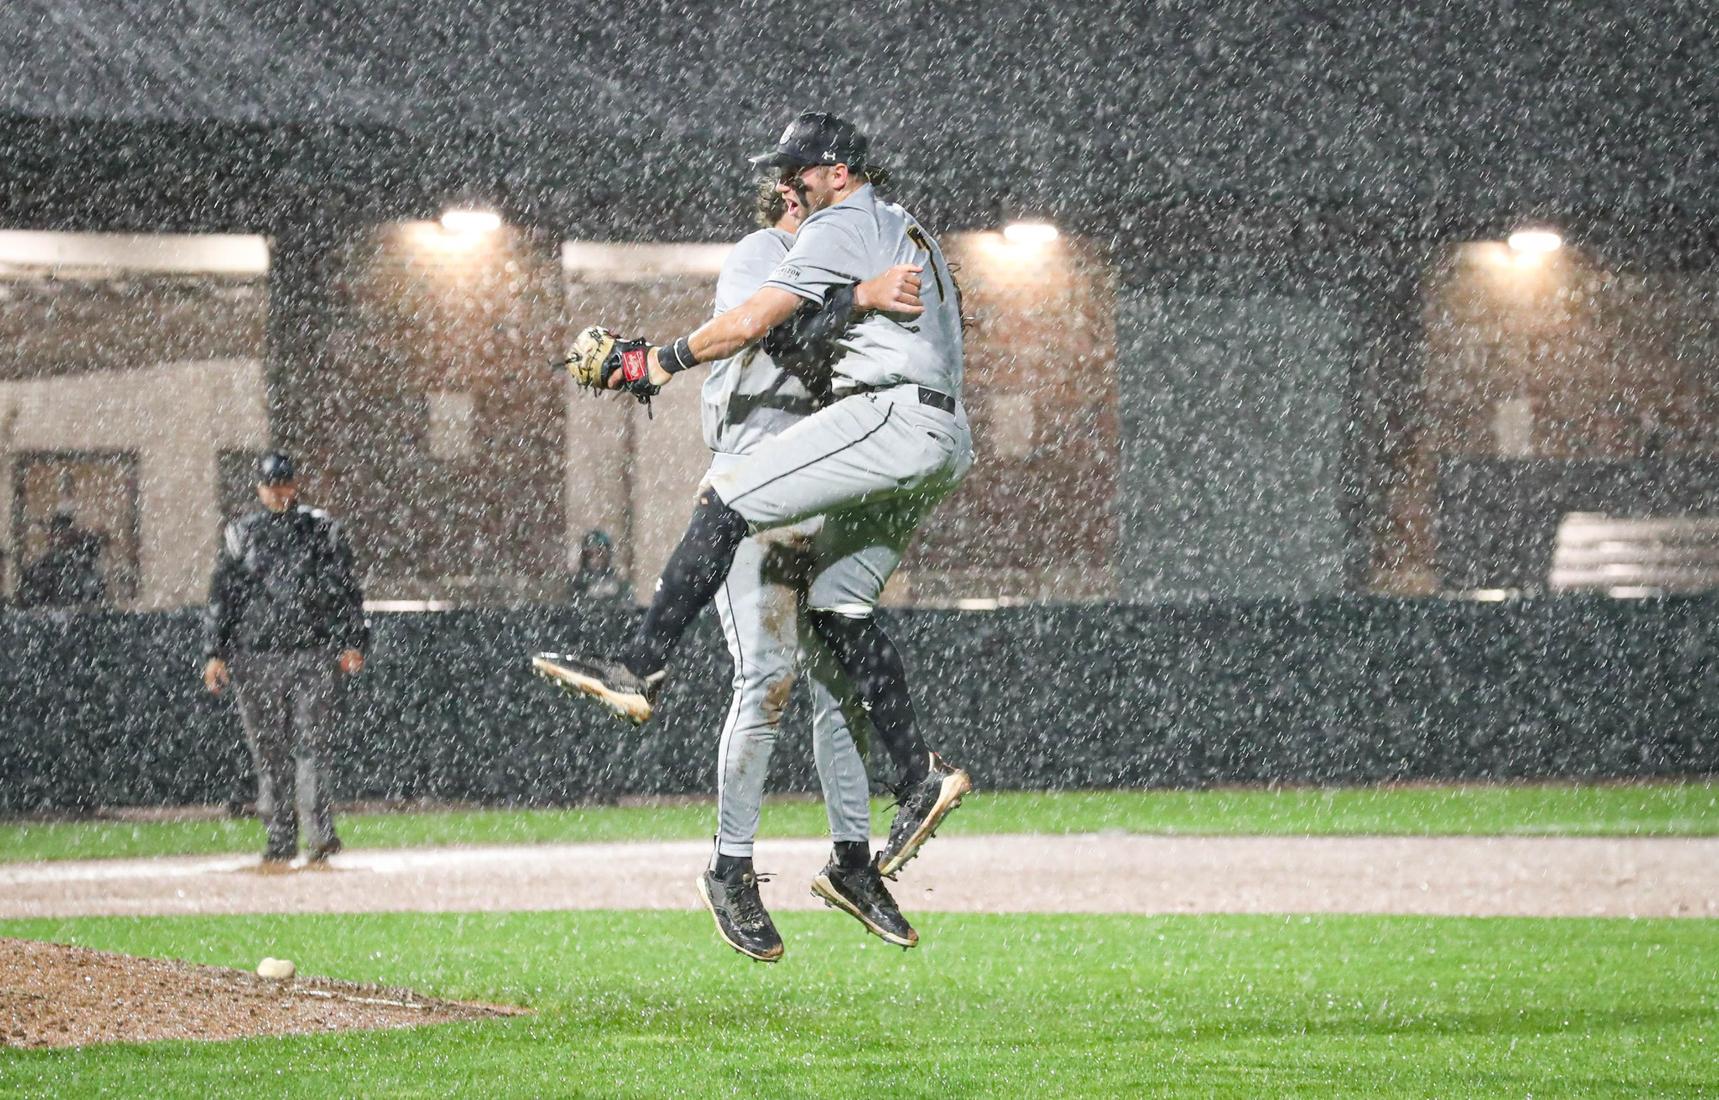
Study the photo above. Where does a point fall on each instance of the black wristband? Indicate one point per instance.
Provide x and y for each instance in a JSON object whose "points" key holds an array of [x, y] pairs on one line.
{"points": [[677, 356]]}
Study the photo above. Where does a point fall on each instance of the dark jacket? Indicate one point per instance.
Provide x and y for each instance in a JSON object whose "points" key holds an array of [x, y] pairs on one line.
{"points": [[67, 575], [284, 581]]}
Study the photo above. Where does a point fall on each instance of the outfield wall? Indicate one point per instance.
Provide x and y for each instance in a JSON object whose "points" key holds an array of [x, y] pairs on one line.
{"points": [[109, 710]]}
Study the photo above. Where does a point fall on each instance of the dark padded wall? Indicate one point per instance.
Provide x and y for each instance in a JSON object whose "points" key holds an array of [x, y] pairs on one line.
{"points": [[108, 709]]}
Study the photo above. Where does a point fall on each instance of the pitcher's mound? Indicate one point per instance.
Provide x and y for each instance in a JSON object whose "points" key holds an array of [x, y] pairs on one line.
{"points": [[52, 995]]}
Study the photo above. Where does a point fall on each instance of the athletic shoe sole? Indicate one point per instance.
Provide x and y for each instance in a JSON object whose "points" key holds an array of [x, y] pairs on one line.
{"points": [[766, 957], [630, 705], [822, 887], [955, 784]]}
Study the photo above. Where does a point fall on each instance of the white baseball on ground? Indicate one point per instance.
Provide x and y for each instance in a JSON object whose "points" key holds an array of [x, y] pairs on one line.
{"points": [[276, 968]]}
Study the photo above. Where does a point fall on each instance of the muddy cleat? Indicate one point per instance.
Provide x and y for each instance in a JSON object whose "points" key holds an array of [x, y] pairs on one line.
{"points": [[741, 920], [319, 855], [922, 810], [611, 683], [860, 893]]}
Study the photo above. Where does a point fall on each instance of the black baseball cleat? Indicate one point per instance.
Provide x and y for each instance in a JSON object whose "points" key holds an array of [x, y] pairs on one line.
{"points": [[741, 920], [860, 893], [320, 853], [923, 808], [610, 682]]}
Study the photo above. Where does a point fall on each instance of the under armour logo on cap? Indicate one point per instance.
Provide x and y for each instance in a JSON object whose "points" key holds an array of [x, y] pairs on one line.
{"points": [[816, 137]]}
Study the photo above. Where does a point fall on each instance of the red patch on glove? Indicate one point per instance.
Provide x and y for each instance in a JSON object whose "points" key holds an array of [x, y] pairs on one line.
{"points": [[635, 364]]}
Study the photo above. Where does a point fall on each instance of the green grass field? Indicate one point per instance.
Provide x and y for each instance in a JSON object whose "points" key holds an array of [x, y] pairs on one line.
{"points": [[649, 1004], [1633, 809]]}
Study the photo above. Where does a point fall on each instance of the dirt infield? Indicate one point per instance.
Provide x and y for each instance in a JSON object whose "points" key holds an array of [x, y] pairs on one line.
{"points": [[52, 995], [1445, 876]]}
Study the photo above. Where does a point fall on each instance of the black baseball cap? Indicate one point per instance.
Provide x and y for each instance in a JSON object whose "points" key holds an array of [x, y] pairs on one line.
{"points": [[274, 468], [816, 137]]}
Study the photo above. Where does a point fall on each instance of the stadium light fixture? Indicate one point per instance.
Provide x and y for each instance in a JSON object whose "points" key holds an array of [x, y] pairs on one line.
{"points": [[1030, 233], [469, 220], [1534, 242]]}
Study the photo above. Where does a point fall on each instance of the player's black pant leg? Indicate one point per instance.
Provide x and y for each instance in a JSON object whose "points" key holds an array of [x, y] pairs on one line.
{"points": [[690, 579], [875, 668]]}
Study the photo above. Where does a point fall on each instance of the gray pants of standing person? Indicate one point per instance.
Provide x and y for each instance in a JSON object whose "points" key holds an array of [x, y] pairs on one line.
{"points": [[286, 701]]}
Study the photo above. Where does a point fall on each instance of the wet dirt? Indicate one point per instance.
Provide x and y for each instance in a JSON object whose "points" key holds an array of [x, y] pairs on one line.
{"points": [[55, 995]]}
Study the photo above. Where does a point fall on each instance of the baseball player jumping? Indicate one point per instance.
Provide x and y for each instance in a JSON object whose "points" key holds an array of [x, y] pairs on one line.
{"points": [[748, 398], [874, 462]]}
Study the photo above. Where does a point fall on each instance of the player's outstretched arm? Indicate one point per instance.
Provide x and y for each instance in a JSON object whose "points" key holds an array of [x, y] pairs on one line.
{"points": [[723, 335], [744, 325], [894, 291]]}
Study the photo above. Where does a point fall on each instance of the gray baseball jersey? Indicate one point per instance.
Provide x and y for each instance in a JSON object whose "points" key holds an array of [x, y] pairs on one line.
{"points": [[853, 240], [746, 398]]}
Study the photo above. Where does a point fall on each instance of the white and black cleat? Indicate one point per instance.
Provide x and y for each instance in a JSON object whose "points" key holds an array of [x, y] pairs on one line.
{"points": [[860, 893], [610, 682], [922, 810], [741, 919]]}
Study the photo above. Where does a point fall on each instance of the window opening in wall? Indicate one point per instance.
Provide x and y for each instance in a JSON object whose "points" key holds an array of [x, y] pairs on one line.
{"points": [[146, 345], [1566, 440], [75, 524]]}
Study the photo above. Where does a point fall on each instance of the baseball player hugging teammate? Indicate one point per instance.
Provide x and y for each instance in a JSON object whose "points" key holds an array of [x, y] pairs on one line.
{"points": [[840, 489]]}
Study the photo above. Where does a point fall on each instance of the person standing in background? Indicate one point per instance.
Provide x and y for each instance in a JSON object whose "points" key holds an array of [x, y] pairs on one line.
{"points": [[598, 583], [68, 574], [285, 618]]}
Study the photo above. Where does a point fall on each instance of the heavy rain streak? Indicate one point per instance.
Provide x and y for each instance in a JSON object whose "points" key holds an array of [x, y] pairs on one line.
{"points": [[1202, 519]]}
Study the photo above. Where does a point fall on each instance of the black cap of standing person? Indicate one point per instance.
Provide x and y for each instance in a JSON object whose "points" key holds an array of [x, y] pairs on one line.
{"points": [[816, 137], [274, 468]]}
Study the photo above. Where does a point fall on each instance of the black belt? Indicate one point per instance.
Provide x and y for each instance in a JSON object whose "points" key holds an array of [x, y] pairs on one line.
{"points": [[926, 395]]}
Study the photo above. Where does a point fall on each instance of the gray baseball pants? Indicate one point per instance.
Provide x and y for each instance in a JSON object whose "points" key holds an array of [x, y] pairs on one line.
{"points": [[286, 701], [762, 608], [873, 466]]}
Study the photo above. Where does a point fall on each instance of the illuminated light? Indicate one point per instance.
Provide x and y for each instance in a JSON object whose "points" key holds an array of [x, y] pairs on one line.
{"points": [[1030, 233], [1534, 242], [471, 221]]}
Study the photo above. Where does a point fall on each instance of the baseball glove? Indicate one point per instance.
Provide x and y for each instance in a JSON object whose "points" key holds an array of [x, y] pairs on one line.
{"points": [[598, 354]]}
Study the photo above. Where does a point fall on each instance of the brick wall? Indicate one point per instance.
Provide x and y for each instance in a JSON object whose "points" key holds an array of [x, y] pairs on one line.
{"points": [[1566, 359], [1562, 357], [124, 321], [417, 312], [157, 371], [1609, 363], [1035, 518]]}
